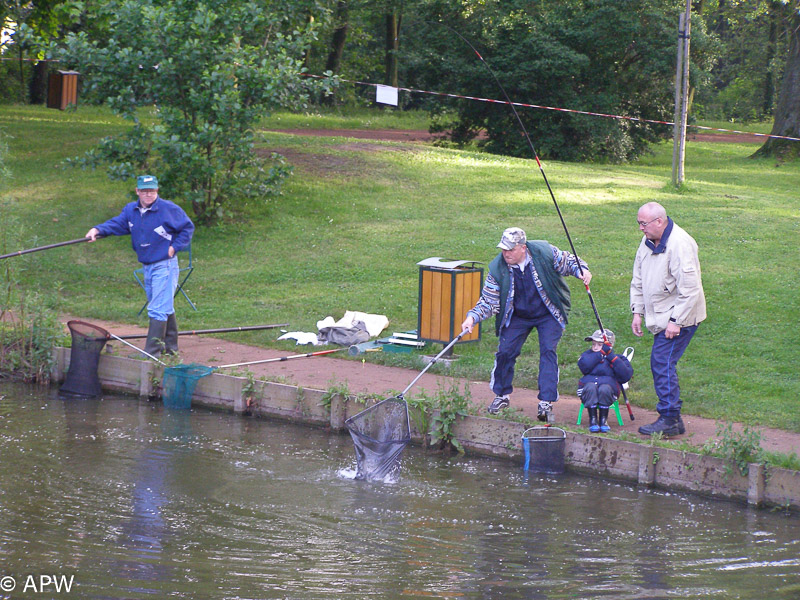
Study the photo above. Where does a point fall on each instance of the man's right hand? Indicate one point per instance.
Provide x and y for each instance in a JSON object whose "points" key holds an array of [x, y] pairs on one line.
{"points": [[468, 324], [636, 325], [92, 234]]}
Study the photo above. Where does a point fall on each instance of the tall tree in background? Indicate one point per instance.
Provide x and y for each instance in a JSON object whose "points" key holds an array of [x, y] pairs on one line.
{"points": [[787, 112], [341, 19], [591, 55]]}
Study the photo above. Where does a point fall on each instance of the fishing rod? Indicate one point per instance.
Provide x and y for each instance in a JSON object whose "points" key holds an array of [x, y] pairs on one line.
{"points": [[48, 247], [547, 183], [147, 354], [282, 358], [135, 336]]}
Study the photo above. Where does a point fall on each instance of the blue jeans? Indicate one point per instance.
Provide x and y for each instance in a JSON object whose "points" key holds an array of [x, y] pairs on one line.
{"points": [[160, 283], [512, 337], [663, 363]]}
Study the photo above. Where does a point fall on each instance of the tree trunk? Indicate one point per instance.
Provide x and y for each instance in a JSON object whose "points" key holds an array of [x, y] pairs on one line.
{"points": [[337, 42], [391, 48], [787, 113], [772, 40], [37, 88], [307, 52]]}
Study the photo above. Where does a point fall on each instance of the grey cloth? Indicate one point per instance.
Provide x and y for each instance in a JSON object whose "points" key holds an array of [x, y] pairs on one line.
{"points": [[344, 336]]}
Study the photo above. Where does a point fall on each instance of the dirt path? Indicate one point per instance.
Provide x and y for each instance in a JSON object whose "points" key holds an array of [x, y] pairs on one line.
{"points": [[322, 372]]}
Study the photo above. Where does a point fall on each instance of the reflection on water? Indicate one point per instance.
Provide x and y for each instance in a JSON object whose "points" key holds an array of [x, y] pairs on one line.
{"points": [[139, 502]]}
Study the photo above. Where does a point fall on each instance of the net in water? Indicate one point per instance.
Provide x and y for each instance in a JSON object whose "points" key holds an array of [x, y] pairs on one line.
{"points": [[87, 344], [380, 433], [179, 382]]}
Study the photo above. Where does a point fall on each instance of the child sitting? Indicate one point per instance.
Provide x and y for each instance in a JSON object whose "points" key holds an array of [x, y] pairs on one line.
{"points": [[603, 372]]}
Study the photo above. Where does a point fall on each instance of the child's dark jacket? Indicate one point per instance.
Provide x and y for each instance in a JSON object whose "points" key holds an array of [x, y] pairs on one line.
{"points": [[612, 369]]}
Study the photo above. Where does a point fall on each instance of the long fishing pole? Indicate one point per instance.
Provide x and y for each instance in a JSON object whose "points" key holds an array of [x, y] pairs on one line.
{"points": [[48, 247], [282, 358], [135, 336], [547, 183]]}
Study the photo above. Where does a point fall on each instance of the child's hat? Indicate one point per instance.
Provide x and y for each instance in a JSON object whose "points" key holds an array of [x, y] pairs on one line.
{"points": [[597, 336]]}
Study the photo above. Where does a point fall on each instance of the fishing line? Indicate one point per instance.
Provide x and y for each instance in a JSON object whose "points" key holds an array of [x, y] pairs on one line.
{"points": [[547, 183], [538, 163]]}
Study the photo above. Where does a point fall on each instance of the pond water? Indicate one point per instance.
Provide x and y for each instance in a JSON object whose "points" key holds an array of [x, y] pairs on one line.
{"points": [[127, 500]]}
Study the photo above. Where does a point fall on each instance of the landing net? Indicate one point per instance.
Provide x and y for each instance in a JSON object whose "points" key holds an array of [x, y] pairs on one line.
{"points": [[179, 382], [380, 433]]}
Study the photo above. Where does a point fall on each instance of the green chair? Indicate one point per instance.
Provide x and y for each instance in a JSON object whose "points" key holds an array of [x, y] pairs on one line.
{"points": [[628, 353], [183, 276]]}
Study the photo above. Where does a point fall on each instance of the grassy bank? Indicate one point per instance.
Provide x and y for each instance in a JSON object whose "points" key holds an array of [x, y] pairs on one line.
{"points": [[357, 216]]}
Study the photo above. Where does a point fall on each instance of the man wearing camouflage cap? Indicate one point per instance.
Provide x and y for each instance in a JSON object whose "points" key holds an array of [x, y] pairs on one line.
{"points": [[526, 289]]}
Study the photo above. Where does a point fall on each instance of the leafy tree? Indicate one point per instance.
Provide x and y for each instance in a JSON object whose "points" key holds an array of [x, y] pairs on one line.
{"points": [[752, 42], [194, 78], [593, 55], [787, 112]]}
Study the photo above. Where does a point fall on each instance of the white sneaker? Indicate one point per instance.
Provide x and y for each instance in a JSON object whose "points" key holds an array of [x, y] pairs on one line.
{"points": [[546, 412]]}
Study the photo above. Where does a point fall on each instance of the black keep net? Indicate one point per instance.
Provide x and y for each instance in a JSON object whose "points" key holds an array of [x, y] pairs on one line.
{"points": [[380, 433], [87, 344]]}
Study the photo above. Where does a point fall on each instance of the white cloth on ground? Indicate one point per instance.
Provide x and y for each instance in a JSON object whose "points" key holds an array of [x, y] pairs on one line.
{"points": [[302, 337], [375, 323]]}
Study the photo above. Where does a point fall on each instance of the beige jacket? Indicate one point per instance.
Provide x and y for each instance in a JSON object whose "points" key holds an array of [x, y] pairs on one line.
{"points": [[668, 285]]}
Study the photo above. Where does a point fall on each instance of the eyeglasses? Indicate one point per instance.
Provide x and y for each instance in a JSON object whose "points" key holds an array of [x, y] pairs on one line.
{"points": [[148, 191], [646, 223]]}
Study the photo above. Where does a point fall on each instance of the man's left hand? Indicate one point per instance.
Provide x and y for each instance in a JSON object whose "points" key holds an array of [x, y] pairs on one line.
{"points": [[586, 278], [171, 252], [672, 330]]}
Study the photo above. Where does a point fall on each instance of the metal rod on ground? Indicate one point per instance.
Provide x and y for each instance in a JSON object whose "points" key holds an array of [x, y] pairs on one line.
{"points": [[268, 360], [48, 247], [203, 331], [148, 355], [402, 394]]}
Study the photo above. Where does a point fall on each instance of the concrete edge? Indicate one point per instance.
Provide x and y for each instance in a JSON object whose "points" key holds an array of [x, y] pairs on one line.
{"points": [[636, 463]]}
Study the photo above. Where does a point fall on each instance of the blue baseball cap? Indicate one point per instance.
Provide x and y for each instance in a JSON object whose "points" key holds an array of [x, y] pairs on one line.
{"points": [[147, 182]]}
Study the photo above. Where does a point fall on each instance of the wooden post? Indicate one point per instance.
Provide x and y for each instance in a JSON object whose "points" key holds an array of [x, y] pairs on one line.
{"points": [[678, 87], [681, 95]]}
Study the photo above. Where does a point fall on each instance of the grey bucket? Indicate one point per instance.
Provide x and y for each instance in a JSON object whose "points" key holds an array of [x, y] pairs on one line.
{"points": [[544, 449]]}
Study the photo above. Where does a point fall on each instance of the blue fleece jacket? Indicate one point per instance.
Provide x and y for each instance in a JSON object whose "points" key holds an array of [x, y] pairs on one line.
{"points": [[163, 225], [612, 369]]}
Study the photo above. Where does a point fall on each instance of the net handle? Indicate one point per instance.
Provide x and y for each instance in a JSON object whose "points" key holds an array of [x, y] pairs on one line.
{"points": [[147, 354], [452, 343]]}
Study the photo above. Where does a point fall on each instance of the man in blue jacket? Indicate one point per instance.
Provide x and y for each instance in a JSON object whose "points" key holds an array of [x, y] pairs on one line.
{"points": [[159, 229], [526, 289]]}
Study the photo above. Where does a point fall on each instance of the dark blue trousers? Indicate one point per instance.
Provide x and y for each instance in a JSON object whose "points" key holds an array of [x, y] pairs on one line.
{"points": [[601, 395], [663, 363], [509, 347]]}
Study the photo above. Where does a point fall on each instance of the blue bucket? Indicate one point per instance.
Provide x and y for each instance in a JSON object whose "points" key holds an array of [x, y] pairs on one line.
{"points": [[544, 449]]}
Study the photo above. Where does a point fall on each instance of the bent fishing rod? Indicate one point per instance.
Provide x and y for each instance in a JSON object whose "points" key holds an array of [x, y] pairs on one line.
{"points": [[549, 189]]}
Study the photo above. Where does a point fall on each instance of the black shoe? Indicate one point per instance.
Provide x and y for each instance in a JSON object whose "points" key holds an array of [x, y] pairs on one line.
{"points": [[498, 404], [667, 426], [603, 414], [593, 425]]}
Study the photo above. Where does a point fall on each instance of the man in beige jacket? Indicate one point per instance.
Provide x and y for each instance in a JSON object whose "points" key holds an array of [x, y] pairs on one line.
{"points": [[667, 291]]}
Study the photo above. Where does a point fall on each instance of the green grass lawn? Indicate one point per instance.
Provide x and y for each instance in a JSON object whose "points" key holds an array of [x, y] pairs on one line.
{"points": [[356, 217]]}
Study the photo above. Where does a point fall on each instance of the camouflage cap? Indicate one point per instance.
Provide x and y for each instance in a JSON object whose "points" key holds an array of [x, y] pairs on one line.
{"points": [[597, 336], [511, 237]]}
